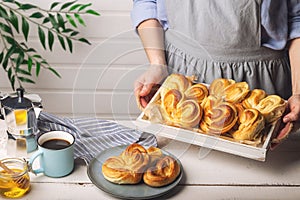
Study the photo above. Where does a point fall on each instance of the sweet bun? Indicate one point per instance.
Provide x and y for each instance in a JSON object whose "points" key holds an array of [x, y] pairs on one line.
{"points": [[219, 116], [218, 86], [236, 92], [128, 167], [197, 91], [163, 173], [272, 107], [155, 154], [251, 123], [187, 114], [224, 107], [256, 95], [136, 163], [175, 81]]}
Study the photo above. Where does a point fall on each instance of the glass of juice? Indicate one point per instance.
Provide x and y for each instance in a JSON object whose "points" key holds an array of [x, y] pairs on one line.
{"points": [[14, 178]]}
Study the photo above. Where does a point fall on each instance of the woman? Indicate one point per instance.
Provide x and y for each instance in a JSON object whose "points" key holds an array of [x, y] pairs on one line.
{"points": [[257, 41]]}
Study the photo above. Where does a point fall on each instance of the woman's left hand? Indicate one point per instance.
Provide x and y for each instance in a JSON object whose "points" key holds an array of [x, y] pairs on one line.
{"points": [[293, 109], [290, 121]]}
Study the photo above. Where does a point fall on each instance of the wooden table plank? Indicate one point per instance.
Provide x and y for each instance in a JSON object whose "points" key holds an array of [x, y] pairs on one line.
{"points": [[72, 191]]}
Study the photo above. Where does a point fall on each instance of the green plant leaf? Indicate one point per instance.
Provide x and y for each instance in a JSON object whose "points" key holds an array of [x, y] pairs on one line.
{"points": [[84, 41], [27, 6], [12, 82], [60, 20], [25, 80], [75, 7], [42, 37], [8, 55], [24, 45], [8, 1], [4, 64], [79, 19], [84, 6], [53, 5], [54, 71], [53, 22], [9, 73], [37, 56], [6, 28], [37, 68], [46, 20], [20, 59], [71, 20], [29, 64], [1, 56], [92, 12], [3, 13], [25, 28], [10, 40], [74, 33], [61, 41], [70, 44], [50, 39], [14, 20], [22, 71], [67, 5], [36, 15], [30, 50], [67, 30]]}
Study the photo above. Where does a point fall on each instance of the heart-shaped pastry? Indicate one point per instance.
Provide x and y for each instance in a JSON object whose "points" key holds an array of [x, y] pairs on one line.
{"points": [[128, 167], [163, 173], [219, 116]]}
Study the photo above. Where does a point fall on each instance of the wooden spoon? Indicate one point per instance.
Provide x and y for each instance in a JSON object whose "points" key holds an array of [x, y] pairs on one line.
{"points": [[21, 181]]}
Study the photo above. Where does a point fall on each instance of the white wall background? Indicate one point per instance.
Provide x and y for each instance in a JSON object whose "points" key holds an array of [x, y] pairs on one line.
{"points": [[97, 80]]}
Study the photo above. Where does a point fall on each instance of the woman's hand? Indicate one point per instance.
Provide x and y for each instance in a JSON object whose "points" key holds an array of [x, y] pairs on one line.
{"points": [[293, 109], [148, 83], [290, 119]]}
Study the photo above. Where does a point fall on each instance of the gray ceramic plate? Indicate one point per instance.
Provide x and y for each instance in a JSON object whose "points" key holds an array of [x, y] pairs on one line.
{"points": [[138, 191]]}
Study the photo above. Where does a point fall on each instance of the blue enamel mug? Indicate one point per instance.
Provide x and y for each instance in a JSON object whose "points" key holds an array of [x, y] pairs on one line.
{"points": [[55, 153]]}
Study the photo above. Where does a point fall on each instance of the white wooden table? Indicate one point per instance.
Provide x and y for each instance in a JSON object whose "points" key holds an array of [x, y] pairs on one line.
{"points": [[214, 175]]}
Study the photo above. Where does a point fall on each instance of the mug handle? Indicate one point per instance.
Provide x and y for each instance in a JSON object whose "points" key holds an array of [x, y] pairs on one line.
{"points": [[32, 159]]}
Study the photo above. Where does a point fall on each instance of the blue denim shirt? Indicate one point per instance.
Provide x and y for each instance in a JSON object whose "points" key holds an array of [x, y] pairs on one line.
{"points": [[280, 19]]}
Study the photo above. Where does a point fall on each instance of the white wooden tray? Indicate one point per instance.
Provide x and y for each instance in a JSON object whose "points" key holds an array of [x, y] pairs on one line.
{"points": [[223, 144]]}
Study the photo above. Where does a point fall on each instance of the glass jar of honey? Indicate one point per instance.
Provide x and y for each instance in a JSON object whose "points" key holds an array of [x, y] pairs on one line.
{"points": [[14, 178]]}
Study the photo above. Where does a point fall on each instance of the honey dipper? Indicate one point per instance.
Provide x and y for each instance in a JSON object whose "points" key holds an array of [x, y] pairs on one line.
{"points": [[21, 181]]}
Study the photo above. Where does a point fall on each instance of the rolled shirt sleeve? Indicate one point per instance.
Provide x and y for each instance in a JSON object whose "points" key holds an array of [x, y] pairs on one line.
{"points": [[148, 9], [294, 19]]}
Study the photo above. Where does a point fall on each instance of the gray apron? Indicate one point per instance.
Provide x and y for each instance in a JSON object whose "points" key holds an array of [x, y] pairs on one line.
{"points": [[222, 38]]}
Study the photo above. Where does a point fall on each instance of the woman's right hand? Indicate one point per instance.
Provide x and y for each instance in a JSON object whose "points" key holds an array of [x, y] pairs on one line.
{"points": [[148, 83]]}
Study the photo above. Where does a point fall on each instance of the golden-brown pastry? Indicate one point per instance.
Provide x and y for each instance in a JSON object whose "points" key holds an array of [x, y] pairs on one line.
{"points": [[170, 100], [187, 114], [163, 173], [219, 116], [218, 86], [179, 111], [155, 154], [236, 92], [256, 95], [251, 123], [155, 113], [175, 81], [197, 91], [128, 167], [272, 107]]}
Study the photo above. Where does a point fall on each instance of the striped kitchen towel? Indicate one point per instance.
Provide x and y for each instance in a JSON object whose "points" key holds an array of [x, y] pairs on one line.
{"points": [[94, 135]]}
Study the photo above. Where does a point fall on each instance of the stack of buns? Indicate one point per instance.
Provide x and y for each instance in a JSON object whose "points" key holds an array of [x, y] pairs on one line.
{"points": [[225, 107], [137, 163]]}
